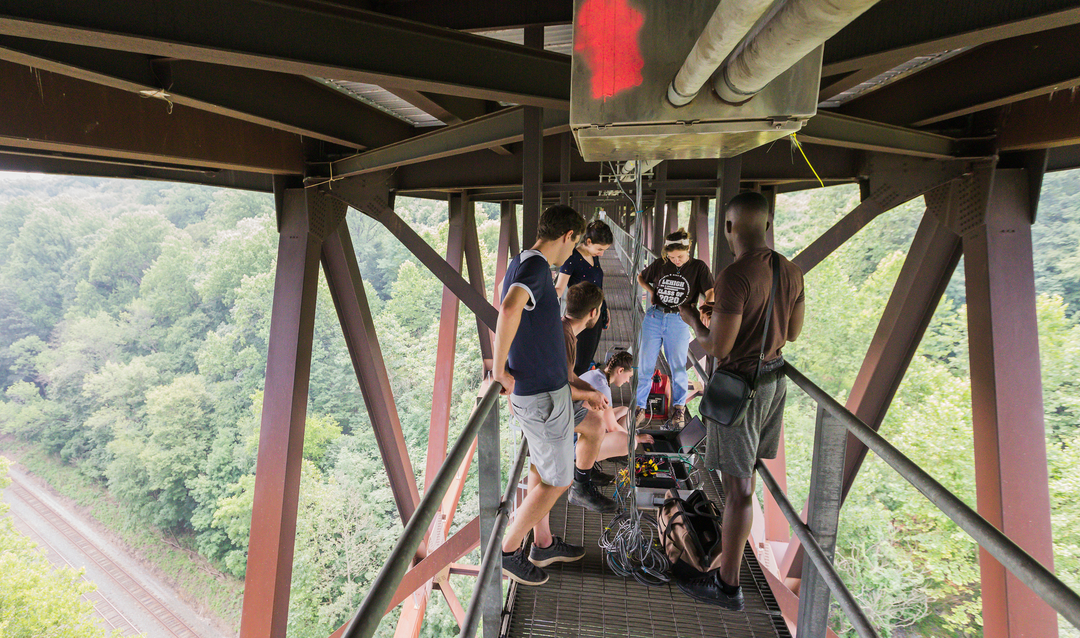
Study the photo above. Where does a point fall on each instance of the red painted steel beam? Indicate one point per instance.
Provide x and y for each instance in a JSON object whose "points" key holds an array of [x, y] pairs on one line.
{"points": [[1007, 408], [891, 33], [443, 393], [308, 39], [893, 181], [281, 438], [474, 263], [290, 103], [927, 269], [464, 541], [354, 314], [49, 112], [1047, 121], [1008, 71], [532, 155], [659, 210], [699, 221], [728, 175], [369, 195]]}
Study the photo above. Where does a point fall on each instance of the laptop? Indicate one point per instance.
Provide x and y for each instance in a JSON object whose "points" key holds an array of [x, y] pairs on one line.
{"points": [[670, 442]]}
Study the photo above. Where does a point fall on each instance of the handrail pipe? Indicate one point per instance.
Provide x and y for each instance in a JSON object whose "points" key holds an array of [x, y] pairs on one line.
{"points": [[373, 608], [1030, 571]]}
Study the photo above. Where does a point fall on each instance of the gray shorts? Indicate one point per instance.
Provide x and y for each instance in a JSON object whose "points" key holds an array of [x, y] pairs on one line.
{"points": [[735, 449], [547, 420]]}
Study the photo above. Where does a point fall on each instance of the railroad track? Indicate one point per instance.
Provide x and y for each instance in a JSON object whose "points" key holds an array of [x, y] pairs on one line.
{"points": [[108, 612], [176, 627]]}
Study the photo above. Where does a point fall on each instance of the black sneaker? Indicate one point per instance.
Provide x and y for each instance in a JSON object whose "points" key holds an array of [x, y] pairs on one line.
{"points": [[558, 552], [516, 568], [584, 494], [599, 477], [708, 589]]}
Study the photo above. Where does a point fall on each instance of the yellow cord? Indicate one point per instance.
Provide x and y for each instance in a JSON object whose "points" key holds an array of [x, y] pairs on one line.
{"points": [[795, 141]]}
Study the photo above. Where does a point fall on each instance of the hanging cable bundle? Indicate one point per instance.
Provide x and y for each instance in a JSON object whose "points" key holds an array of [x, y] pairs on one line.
{"points": [[630, 539]]}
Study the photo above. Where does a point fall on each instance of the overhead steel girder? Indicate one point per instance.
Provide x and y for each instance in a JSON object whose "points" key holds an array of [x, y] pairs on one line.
{"points": [[321, 40], [48, 112], [508, 126], [498, 129], [277, 100], [1007, 71], [480, 170], [833, 129], [29, 161], [481, 15], [890, 33], [893, 181], [368, 194], [1048, 121]]}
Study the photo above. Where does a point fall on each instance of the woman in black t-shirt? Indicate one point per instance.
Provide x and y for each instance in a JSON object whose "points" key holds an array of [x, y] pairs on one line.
{"points": [[674, 280], [584, 265]]}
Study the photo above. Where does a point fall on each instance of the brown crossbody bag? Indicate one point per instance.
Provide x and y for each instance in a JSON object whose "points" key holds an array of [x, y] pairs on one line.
{"points": [[727, 394]]}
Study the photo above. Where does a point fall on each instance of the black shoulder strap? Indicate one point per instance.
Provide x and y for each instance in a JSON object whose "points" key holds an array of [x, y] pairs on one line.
{"points": [[768, 318]]}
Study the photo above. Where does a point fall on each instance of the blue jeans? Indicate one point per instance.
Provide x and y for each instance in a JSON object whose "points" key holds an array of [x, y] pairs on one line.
{"points": [[667, 329]]}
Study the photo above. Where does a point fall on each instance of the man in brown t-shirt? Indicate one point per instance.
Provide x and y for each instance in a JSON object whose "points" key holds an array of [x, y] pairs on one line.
{"points": [[734, 337]]}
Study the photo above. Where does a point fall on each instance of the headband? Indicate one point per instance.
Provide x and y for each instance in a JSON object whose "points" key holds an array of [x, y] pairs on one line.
{"points": [[675, 242]]}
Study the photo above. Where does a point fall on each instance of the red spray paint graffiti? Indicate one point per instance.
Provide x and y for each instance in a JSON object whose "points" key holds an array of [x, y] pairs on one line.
{"points": [[606, 33]]}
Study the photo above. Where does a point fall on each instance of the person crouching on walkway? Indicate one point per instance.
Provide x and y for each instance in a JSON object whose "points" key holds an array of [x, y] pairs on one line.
{"points": [[674, 280], [530, 364]]}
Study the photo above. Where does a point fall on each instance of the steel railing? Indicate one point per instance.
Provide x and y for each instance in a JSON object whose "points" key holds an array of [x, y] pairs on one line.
{"points": [[374, 605], [1025, 567], [1021, 564]]}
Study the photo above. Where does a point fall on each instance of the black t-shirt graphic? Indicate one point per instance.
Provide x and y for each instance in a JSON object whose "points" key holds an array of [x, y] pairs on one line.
{"points": [[677, 286]]}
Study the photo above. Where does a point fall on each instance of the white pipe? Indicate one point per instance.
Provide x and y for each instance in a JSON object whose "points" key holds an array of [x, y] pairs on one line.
{"points": [[796, 30], [728, 25]]}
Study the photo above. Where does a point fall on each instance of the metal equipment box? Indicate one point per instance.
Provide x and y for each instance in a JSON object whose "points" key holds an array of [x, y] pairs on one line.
{"points": [[626, 52]]}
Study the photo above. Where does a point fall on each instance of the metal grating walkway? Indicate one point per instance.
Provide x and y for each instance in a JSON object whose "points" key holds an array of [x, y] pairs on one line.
{"points": [[586, 599]]}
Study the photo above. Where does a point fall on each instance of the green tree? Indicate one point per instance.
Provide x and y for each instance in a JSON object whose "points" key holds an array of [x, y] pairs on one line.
{"points": [[38, 600]]}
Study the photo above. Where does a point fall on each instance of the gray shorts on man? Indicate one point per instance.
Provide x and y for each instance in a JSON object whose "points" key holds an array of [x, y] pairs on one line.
{"points": [[756, 435], [547, 421]]}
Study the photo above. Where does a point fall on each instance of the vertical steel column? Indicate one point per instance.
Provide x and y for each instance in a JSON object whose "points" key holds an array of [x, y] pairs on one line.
{"points": [[490, 477], [532, 196], [350, 300], [728, 172], [443, 394], [776, 526], [699, 223], [1007, 407], [476, 277], [515, 238], [281, 437], [672, 223], [659, 209], [826, 480]]}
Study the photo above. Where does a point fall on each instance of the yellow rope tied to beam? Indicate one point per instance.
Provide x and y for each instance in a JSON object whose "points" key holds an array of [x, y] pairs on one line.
{"points": [[795, 141]]}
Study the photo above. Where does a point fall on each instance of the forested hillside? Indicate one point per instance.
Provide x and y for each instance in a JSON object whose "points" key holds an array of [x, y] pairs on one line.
{"points": [[133, 325]]}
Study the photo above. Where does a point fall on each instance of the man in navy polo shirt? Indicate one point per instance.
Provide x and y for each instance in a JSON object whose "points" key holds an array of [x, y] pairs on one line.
{"points": [[530, 363]]}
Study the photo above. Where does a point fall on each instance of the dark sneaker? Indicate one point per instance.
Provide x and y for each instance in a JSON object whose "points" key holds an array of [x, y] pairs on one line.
{"points": [[678, 417], [584, 494], [558, 552], [516, 568], [707, 589], [599, 477]]}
